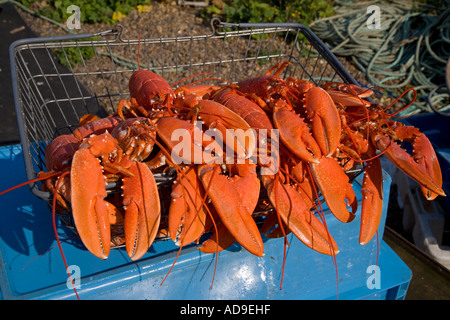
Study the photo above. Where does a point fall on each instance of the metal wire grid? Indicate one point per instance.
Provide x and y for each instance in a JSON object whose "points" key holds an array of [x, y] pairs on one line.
{"points": [[50, 98]]}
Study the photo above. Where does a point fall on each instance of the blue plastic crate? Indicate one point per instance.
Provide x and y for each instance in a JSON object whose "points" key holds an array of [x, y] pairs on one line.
{"points": [[32, 269]]}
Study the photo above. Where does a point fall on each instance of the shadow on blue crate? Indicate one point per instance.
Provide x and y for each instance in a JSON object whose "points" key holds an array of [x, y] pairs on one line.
{"points": [[239, 274]]}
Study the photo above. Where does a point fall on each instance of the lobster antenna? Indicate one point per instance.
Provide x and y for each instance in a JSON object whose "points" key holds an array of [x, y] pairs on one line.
{"points": [[56, 231], [378, 251], [190, 77], [407, 106], [215, 228], [322, 217], [179, 171], [53, 247], [31, 181], [282, 230]]}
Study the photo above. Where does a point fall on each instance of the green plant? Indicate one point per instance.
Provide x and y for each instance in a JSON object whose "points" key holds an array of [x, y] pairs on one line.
{"points": [[91, 11], [106, 11], [71, 56], [300, 11], [306, 11], [251, 11]]}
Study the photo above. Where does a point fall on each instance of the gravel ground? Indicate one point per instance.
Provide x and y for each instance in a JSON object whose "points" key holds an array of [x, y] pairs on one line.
{"points": [[164, 19]]}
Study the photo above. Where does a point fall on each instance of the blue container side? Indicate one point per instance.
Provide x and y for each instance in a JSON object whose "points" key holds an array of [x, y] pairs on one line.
{"points": [[33, 269], [391, 282], [434, 126]]}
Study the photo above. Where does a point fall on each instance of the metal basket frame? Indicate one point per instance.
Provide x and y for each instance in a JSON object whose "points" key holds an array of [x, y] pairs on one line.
{"points": [[50, 99]]}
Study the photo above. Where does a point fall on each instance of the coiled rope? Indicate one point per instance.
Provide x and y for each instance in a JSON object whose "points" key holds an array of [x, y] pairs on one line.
{"points": [[410, 48]]}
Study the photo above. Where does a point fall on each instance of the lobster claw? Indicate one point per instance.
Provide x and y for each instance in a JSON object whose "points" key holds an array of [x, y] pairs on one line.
{"points": [[232, 205], [187, 215], [90, 211], [418, 171], [191, 149], [235, 133], [326, 123], [347, 99], [348, 95], [238, 134], [142, 210], [89, 208], [294, 212], [372, 200], [271, 227], [294, 133], [335, 187], [429, 161], [221, 239], [247, 187]]}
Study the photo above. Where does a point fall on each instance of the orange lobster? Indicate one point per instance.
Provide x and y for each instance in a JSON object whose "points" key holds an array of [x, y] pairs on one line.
{"points": [[90, 211], [234, 199], [150, 89], [188, 211], [287, 101], [323, 132], [59, 153], [89, 208], [367, 128], [293, 208]]}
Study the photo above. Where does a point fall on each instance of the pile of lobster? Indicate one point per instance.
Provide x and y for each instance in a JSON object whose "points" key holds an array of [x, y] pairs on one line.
{"points": [[312, 137]]}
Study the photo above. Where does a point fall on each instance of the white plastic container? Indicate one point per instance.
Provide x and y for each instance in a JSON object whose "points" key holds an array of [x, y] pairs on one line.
{"points": [[424, 219]]}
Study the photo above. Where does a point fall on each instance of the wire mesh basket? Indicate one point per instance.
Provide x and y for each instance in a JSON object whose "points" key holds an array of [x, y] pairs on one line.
{"points": [[57, 80]]}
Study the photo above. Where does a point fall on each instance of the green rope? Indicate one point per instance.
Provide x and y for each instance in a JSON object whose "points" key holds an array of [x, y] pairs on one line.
{"points": [[410, 49]]}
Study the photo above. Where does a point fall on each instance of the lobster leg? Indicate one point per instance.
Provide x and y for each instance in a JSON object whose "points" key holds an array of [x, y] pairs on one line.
{"points": [[142, 210], [335, 187]]}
